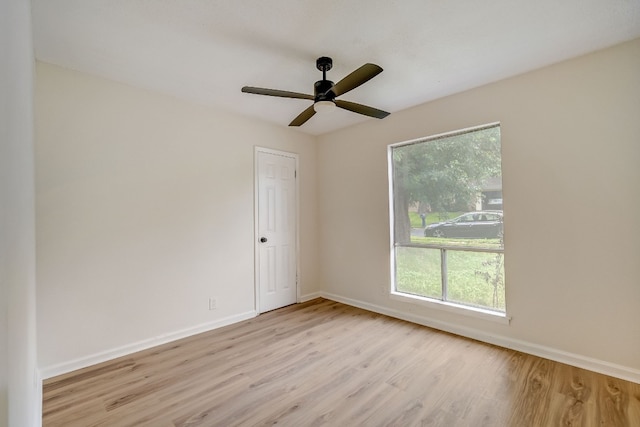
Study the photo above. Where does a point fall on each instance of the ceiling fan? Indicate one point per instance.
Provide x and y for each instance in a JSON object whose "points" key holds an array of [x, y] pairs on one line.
{"points": [[325, 92]]}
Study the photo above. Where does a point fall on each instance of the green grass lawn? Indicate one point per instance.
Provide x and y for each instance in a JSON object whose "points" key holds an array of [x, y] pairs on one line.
{"points": [[432, 218], [471, 276]]}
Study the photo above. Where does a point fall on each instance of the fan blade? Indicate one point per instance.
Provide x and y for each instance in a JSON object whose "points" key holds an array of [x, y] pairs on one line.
{"points": [[303, 117], [361, 109], [275, 92], [356, 78]]}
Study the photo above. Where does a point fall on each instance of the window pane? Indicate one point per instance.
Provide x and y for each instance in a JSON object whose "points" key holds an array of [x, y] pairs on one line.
{"points": [[418, 272], [447, 196], [448, 190], [476, 278]]}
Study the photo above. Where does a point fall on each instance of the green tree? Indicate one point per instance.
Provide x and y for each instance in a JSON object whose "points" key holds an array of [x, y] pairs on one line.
{"points": [[444, 174]]}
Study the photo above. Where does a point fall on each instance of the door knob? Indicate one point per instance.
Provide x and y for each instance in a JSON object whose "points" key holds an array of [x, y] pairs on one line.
{"points": [[263, 239]]}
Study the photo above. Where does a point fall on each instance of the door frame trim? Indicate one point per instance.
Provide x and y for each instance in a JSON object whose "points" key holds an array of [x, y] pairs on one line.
{"points": [[256, 237]]}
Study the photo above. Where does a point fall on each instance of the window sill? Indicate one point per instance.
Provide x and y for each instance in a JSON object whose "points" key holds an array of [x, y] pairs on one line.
{"points": [[451, 307]]}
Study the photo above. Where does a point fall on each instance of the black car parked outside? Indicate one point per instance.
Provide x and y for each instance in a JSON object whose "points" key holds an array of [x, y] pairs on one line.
{"points": [[471, 225]]}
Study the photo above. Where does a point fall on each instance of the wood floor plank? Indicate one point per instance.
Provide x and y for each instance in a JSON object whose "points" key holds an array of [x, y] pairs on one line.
{"points": [[323, 363]]}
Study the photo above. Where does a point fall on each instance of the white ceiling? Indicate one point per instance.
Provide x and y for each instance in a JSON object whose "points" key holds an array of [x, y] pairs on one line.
{"points": [[206, 50]]}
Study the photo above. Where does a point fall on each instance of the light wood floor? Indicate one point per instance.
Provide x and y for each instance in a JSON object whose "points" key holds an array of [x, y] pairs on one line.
{"points": [[323, 363]]}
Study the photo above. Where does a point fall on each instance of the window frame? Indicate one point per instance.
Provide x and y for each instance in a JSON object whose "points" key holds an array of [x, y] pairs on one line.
{"points": [[438, 304]]}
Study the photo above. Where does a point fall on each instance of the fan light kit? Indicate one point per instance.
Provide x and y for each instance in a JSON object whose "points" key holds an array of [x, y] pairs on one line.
{"points": [[324, 107], [325, 92]]}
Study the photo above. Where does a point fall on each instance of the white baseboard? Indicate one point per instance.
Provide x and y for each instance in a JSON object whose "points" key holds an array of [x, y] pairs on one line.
{"points": [[577, 360], [309, 297], [83, 362]]}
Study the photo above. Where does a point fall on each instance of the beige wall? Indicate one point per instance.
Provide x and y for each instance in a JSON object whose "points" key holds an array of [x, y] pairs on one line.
{"points": [[571, 148], [145, 210]]}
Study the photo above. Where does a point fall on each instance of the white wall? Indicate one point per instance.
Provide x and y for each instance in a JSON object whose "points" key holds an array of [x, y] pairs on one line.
{"points": [[144, 211], [570, 138], [20, 388]]}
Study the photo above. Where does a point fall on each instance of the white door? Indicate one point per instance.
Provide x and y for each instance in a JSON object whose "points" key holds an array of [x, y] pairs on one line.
{"points": [[276, 230]]}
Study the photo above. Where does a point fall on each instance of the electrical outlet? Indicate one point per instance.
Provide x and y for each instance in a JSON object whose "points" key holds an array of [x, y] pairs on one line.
{"points": [[213, 304]]}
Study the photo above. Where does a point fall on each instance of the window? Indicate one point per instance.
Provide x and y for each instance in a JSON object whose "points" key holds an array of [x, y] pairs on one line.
{"points": [[448, 245]]}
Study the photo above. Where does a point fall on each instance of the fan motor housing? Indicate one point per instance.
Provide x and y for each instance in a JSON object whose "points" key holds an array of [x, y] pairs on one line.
{"points": [[321, 90]]}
